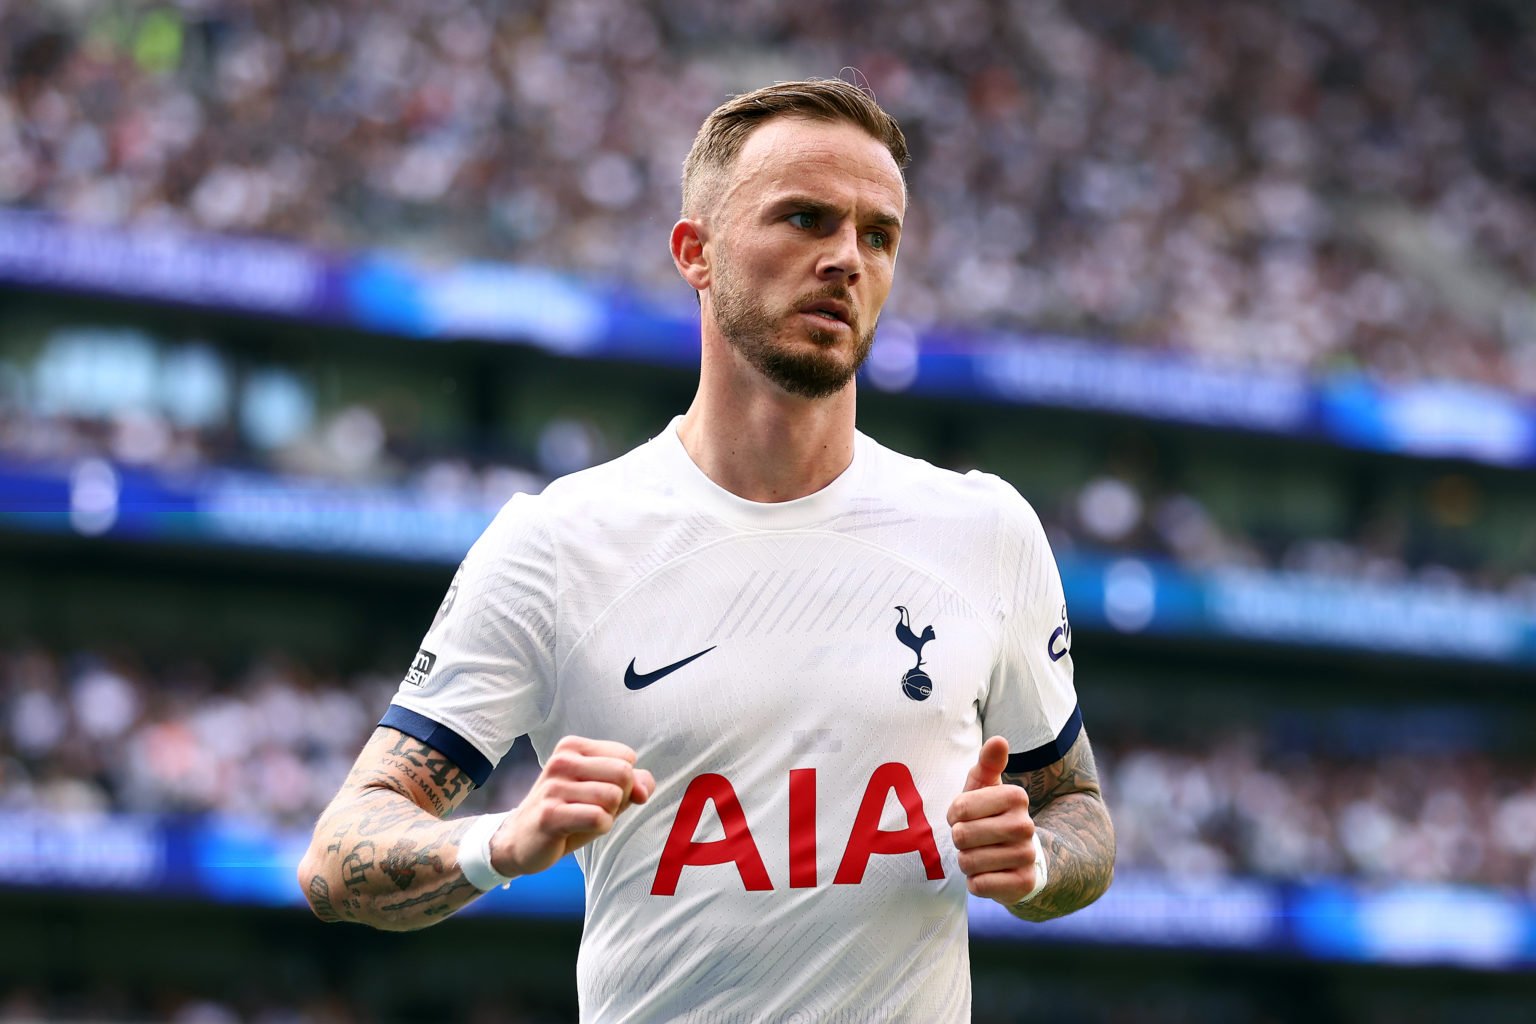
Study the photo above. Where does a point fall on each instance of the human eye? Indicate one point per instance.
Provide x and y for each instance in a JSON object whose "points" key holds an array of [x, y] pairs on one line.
{"points": [[877, 239], [803, 219]]}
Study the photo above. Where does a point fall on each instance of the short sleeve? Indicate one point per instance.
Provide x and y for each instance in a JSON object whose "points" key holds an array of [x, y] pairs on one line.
{"points": [[1030, 698], [484, 673]]}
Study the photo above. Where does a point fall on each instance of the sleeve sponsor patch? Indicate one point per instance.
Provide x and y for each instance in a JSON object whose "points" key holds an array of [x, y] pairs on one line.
{"points": [[421, 668], [1060, 642]]}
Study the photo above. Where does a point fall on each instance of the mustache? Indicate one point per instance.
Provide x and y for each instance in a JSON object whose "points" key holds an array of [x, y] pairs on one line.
{"points": [[836, 293]]}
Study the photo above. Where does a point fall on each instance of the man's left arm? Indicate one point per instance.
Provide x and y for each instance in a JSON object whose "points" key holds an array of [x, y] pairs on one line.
{"points": [[993, 823], [1075, 832]]}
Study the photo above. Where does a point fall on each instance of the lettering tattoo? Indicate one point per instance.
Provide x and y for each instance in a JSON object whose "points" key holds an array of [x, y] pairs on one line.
{"points": [[337, 836], [411, 750], [1075, 831], [437, 778], [446, 776], [320, 899], [355, 865]]}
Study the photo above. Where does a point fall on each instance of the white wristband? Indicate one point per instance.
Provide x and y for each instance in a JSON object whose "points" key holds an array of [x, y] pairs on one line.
{"points": [[475, 853], [1039, 870]]}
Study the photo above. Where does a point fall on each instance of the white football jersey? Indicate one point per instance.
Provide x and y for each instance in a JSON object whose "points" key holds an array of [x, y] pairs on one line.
{"points": [[809, 681]]}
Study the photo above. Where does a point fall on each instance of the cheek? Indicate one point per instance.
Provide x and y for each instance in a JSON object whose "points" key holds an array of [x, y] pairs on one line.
{"points": [[877, 288]]}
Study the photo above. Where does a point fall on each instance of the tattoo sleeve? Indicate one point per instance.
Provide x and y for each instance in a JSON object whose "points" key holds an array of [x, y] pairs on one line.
{"points": [[382, 853], [1074, 829]]}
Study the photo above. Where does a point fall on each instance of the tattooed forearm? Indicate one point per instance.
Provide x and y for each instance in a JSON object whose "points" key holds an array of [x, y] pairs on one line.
{"points": [[439, 893], [355, 865], [382, 853], [320, 899], [402, 860], [1075, 831]]}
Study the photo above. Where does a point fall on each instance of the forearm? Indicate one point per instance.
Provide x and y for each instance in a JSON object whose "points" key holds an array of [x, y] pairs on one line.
{"points": [[1079, 843], [382, 853], [1075, 831], [380, 860]]}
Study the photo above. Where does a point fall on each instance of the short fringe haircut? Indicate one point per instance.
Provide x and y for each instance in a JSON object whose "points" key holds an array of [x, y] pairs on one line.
{"points": [[725, 131]]}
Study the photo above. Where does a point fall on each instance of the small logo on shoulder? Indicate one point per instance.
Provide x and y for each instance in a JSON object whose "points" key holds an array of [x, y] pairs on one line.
{"points": [[421, 668], [914, 682]]}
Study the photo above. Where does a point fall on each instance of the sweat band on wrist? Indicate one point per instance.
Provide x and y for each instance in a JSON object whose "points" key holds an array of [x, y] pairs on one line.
{"points": [[1039, 869], [475, 853]]}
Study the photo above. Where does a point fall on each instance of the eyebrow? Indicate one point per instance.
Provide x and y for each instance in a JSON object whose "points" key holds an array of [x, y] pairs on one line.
{"points": [[884, 219]]}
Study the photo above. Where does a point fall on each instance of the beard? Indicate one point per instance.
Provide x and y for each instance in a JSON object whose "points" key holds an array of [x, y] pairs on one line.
{"points": [[755, 333]]}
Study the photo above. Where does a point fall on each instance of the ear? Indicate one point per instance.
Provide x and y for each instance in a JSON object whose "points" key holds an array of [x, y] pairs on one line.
{"points": [[688, 255]]}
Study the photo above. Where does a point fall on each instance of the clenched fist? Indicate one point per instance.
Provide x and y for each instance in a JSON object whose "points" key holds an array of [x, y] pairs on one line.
{"points": [[583, 788]]}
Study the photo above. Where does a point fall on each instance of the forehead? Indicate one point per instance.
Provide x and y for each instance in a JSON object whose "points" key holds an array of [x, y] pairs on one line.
{"points": [[832, 160]]}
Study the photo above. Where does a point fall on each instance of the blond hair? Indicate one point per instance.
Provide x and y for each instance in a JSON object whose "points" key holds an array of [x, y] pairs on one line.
{"points": [[725, 130]]}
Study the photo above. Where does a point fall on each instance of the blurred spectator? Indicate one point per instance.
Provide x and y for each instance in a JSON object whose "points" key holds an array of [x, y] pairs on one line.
{"points": [[82, 732], [1336, 184]]}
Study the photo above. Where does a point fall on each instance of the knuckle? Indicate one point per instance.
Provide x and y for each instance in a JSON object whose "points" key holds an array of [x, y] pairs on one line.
{"points": [[544, 818], [563, 763]]}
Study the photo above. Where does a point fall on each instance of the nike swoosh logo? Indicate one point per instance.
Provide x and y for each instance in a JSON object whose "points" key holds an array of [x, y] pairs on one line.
{"points": [[640, 680]]}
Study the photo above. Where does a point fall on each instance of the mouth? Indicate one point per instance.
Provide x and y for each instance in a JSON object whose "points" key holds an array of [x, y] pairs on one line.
{"points": [[829, 311]]}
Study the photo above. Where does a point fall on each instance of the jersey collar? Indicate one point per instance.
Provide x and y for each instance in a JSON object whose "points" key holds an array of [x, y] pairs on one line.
{"points": [[831, 500]]}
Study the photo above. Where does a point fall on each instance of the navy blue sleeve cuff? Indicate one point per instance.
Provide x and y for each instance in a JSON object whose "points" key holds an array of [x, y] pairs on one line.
{"points": [[1049, 753], [441, 739]]}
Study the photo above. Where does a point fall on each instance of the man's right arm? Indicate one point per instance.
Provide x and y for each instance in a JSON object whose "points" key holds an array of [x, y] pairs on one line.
{"points": [[383, 855]]}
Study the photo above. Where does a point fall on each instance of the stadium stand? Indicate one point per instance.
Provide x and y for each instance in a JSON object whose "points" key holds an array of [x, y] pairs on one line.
{"points": [[1333, 187], [1328, 185], [84, 732]]}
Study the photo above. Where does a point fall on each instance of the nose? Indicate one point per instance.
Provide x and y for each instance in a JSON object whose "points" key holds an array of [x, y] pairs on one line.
{"points": [[841, 257]]}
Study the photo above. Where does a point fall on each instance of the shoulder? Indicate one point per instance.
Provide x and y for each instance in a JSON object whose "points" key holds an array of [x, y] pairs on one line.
{"points": [[618, 483], [974, 495], [620, 498]]}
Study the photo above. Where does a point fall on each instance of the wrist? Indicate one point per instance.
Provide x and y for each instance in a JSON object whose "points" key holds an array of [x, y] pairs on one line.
{"points": [[1041, 871], [475, 853]]}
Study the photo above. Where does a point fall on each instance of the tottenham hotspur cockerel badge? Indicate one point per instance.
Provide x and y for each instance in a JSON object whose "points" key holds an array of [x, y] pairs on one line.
{"points": [[914, 682]]}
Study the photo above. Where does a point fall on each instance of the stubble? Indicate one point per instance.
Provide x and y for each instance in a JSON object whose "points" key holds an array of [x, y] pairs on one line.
{"points": [[754, 332]]}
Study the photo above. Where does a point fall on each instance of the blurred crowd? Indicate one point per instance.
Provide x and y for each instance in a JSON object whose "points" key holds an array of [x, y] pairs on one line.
{"points": [[82, 732], [1430, 538], [1006, 997], [1125, 501], [103, 1004], [1330, 184], [1237, 806], [166, 1003], [274, 743], [1437, 538]]}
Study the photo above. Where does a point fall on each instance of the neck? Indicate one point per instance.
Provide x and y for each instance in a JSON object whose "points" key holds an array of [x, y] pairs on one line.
{"points": [[759, 442]]}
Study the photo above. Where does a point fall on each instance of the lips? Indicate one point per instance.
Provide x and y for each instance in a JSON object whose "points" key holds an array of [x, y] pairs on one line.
{"points": [[828, 309]]}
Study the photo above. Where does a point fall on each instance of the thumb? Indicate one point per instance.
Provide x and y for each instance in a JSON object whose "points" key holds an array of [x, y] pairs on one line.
{"points": [[645, 785], [988, 770]]}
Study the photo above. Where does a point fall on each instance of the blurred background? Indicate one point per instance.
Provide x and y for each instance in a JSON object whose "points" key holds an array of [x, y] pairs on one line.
{"points": [[1241, 296]]}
